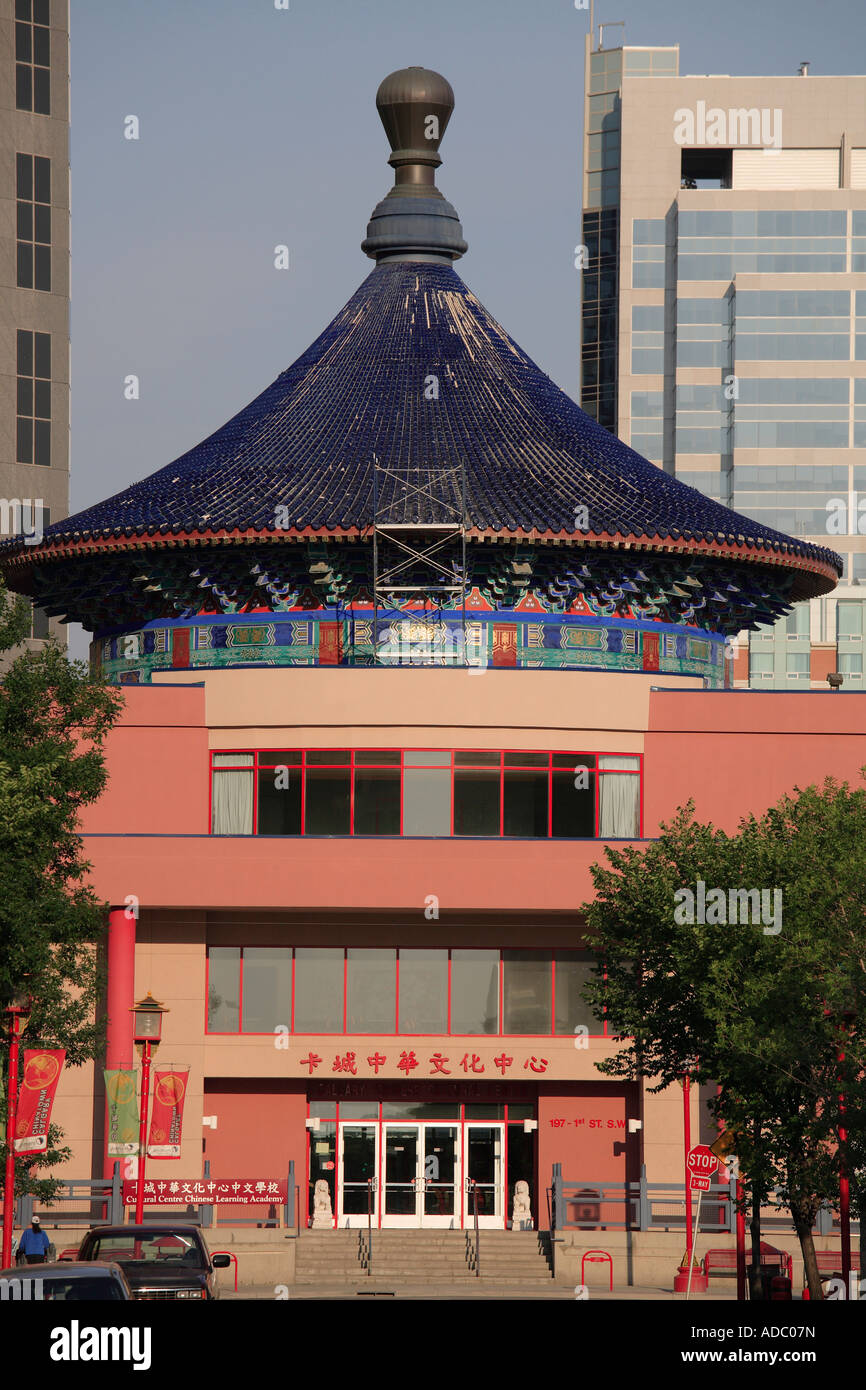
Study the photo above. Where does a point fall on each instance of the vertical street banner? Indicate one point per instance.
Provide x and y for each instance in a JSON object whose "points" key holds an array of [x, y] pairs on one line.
{"points": [[41, 1074], [166, 1120], [122, 1113]]}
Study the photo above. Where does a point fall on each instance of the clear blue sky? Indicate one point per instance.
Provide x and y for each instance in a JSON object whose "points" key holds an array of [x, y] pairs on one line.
{"points": [[259, 127]]}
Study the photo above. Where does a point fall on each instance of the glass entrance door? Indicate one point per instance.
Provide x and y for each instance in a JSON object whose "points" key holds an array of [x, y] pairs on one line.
{"points": [[400, 1177], [440, 1177], [483, 1147], [356, 1166], [421, 1175]]}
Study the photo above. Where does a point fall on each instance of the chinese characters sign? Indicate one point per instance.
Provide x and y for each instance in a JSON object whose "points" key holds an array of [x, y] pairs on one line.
{"points": [[417, 1062]]}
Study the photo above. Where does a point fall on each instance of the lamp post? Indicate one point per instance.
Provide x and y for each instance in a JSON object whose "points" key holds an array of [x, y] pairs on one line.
{"points": [[17, 1011], [147, 1032]]}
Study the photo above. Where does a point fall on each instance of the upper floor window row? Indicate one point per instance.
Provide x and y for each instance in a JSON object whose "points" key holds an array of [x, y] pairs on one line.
{"points": [[415, 991], [430, 792], [766, 223], [33, 56]]}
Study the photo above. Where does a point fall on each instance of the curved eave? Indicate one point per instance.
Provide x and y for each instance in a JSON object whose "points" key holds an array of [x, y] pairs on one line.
{"points": [[54, 550]]}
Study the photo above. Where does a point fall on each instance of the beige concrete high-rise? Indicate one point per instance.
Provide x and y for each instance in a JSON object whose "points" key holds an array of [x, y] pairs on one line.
{"points": [[724, 311], [34, 271]]}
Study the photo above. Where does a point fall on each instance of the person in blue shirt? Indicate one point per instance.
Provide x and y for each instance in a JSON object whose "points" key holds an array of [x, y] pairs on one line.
{"points": [[33, 1245]]}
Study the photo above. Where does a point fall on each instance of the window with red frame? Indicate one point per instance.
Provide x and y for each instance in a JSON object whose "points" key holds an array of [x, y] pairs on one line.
{"points": [[407, 991], [432, 792]]}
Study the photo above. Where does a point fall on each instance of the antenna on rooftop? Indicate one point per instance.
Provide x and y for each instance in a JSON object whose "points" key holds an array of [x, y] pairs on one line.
{"points": [[610, 24]]}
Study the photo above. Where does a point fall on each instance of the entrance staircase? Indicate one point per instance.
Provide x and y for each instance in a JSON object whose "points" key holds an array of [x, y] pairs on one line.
{"points": [[412, 1257]]}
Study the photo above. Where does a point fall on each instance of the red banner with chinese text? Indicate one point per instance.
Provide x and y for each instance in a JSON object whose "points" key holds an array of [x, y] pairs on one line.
{"points": [[166, 1118], [42, 1070]]}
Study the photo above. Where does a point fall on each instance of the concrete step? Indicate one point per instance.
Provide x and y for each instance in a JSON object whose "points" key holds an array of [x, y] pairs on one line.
{"points": [[424, 1235], [407, 1257]]}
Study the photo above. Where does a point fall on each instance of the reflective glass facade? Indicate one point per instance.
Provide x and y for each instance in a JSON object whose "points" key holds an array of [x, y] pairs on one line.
{"points": [[718, 245], [745, 323], [647, 338], [647, 424], [605, 74]]}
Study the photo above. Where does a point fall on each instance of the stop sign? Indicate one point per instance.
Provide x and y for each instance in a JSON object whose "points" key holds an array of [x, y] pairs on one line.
{"points": [[702, 1164]]}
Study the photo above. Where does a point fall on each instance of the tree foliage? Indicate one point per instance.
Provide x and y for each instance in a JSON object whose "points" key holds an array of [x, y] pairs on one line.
{"points": [[54, 717], [771, 1011]]}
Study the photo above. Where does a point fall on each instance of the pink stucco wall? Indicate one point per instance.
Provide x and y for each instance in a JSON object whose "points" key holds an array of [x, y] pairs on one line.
{"points": [[739, 751], [157, 759], [733, 752]]}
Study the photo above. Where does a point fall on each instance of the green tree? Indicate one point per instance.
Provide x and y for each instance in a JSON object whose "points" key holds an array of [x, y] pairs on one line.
{"points": [[54, 717], [760, 1009]]}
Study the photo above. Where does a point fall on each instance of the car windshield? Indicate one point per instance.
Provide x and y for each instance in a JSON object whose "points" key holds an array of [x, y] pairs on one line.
{"points": [[152, 1247], [61, 1290]]}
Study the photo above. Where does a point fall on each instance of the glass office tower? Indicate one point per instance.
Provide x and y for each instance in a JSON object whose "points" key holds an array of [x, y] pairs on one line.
{"points": [[724, 311]]}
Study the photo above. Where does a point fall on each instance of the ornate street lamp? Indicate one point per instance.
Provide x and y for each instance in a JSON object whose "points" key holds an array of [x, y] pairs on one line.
{"points": [[17, 1011], [147, 1033]]}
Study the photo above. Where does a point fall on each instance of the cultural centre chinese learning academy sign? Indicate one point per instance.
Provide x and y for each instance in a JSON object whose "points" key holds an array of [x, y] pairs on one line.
{"points": [[231, 1191]]}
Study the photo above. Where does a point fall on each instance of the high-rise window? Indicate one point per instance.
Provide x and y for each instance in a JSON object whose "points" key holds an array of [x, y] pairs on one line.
{"points": [[648, 339], [34, 398], [33, 189], [793, 325], [648, 253], [792, 413], [33, 56], [717, 245], [702, 420], [797, 622], [849, 620], [647, 424], [703, 332]]}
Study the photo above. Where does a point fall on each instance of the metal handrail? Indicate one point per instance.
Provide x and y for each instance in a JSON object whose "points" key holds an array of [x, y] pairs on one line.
{"points": [[472, 1187], [369, 1228]]}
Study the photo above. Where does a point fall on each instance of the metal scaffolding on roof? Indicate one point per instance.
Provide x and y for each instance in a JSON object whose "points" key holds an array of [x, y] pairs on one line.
{"points": [[419, 552]]}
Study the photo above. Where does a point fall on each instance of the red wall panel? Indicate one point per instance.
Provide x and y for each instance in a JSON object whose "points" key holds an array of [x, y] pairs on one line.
{"points": [[260, 1128], [585, 1128]]}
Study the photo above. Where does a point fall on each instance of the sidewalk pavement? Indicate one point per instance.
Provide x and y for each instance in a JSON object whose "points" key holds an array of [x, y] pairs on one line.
{"points": [[385, 1292]]}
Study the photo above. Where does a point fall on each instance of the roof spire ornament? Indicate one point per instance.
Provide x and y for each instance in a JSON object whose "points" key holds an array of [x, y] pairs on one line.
{"points": [[414, 222]]}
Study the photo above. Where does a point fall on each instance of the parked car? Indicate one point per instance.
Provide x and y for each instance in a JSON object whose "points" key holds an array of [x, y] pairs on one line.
{"points": [[62, 1282], [163, 1260]]}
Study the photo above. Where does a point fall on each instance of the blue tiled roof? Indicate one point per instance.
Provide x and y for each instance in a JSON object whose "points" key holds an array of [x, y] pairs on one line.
{"points": [[306, 444]]}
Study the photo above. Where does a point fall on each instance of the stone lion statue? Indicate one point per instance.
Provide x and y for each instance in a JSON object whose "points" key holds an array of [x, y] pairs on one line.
{"points": [[521, 1216], [322, 1215]]}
